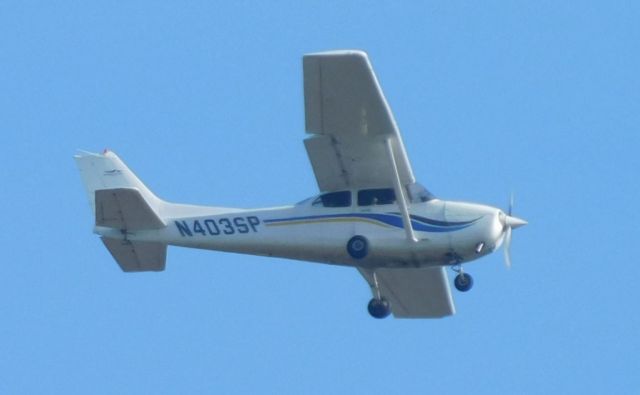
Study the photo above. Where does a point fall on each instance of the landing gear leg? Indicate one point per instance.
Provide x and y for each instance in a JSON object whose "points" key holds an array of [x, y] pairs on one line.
{"points": [[463, 281], [378, 306]]}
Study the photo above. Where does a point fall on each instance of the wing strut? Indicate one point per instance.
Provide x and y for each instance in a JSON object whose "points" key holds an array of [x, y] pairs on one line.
{"points": [[400, 195]]}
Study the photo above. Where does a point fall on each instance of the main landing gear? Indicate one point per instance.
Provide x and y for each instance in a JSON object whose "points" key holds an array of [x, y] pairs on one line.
{"points": [[378, 307], [463, 281], [358, 247]]}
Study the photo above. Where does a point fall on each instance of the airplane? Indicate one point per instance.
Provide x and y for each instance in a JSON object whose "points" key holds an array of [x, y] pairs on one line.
{"points": [[370, 213]]}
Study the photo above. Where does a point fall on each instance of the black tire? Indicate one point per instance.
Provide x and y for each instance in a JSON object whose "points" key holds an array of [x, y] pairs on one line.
{"points": [[358, 247], [463, 282], [379, 308]]}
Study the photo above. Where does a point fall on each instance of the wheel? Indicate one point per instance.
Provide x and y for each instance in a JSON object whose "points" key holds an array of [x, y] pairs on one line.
{"points": [[463, 282], [379, 308], [358, 247]]}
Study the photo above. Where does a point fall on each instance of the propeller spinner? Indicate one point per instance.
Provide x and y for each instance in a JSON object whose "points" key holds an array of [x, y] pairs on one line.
{"points": [[509, 222]]}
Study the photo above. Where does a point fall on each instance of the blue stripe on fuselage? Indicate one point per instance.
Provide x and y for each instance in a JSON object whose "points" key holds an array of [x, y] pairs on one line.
{"points": [[418, 223]]}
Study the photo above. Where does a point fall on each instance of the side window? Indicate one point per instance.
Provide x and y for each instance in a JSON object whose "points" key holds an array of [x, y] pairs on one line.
{"points": [[372, 197], [334, 199]]}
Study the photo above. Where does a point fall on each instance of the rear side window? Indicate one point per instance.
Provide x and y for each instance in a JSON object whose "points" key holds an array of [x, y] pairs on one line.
{"points": [[334, 199], [372, 197]]}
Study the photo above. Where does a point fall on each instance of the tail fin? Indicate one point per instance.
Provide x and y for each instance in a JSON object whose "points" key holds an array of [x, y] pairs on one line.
{"points": [[107, 171], [120, 200]]}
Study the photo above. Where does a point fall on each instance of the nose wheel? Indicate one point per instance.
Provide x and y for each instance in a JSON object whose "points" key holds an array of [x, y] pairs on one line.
{"points": [[463, 281]]}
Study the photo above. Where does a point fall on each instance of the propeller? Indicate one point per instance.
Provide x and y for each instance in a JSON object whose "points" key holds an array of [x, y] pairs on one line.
{"points": [[509, 222]]}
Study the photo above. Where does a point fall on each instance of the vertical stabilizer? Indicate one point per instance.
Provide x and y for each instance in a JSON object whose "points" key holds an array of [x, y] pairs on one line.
{"points": [[108, 171], [121, 201]]}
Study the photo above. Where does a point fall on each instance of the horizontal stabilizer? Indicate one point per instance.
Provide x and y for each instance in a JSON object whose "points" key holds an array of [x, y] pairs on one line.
{"points": [[126, 209], [137, 256]]}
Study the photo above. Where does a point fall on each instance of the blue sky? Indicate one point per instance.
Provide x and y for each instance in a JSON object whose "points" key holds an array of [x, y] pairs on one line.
{"points": [[204, 102]]}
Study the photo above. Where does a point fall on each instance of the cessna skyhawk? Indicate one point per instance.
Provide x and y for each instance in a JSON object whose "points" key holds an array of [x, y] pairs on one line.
{"points": [[370, 212]]}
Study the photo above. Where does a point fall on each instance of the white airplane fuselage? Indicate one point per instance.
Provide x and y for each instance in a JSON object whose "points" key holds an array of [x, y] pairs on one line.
{"points": [[448, 232], [372, 214]]}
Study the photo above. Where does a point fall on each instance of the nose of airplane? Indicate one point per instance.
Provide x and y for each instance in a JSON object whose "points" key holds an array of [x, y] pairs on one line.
{"points": [[513, 222], [509, 223]]}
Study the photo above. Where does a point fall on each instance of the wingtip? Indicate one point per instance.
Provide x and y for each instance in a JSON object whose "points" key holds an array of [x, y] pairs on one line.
{"points": [[339, 52]]}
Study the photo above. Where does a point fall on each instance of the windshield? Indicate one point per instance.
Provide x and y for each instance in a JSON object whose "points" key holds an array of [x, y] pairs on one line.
{"points": [[305, 201], [418, 193]]}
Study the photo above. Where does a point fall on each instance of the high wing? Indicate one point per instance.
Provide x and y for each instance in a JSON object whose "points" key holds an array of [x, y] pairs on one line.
{"points": [[413, 292], [350, 122]]}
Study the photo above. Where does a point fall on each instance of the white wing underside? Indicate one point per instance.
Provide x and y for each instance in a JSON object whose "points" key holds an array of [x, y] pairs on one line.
{"points": [[414, 292], [350, 121]]}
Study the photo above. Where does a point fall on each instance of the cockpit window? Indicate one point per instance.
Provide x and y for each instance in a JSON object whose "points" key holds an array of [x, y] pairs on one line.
{"points": [[334, 199], [372, 197]]}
